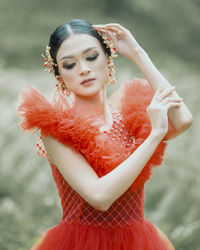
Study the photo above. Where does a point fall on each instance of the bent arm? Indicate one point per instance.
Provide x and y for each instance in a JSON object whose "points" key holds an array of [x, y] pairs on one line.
{"points": [[181, 118], [99, 192]]}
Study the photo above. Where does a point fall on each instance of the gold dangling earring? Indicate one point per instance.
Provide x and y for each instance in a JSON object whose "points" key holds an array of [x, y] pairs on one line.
{"points": [[61, 86], [111, 70]]}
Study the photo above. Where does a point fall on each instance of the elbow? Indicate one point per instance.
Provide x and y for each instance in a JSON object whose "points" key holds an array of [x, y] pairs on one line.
{"points": [[102, 207], [187, 123], [184, 122], [184, 125], [101, 202]]}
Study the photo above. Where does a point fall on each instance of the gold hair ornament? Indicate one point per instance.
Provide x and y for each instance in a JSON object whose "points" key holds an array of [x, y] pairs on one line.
{"points": [[108, 41], [49, 64]]}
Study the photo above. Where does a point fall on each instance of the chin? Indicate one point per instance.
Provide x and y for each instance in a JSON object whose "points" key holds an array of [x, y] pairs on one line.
{"points": [[90, 91]]}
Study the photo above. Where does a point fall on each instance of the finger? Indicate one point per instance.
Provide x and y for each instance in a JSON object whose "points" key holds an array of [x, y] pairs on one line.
{"points": [[115, 30], [103, 30], [112, 35], [173, 105], [110, 25], [157, 93], [107, 32], [98, 25], [167, 92], [171, 99], [117, 25], [105, 27], [159, 89]]}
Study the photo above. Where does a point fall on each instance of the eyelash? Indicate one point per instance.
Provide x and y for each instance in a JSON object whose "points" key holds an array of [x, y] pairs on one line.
{"points": [[89, 58], [93, 57], [69, 66]]}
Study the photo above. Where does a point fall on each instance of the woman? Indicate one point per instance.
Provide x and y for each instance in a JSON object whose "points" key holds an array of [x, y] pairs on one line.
{"points": [[101, 150]]}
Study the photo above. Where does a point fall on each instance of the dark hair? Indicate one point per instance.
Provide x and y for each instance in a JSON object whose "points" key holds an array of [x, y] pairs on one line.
{"points": [[76, 26]]}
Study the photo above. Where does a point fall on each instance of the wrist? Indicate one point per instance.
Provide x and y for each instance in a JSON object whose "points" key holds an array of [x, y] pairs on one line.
{"points": [[156, 136], [138, 53]]}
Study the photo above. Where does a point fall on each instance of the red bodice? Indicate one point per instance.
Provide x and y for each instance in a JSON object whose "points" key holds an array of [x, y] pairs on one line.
{"points": [[125, 211]]}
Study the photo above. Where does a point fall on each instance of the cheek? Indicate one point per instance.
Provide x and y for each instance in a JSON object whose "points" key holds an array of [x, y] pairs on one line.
{"points": [[69, 79], [67, 75], [102, 66]]}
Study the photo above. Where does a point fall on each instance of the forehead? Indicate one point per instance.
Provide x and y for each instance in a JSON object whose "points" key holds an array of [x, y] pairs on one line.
{"points": [[76, 44]]}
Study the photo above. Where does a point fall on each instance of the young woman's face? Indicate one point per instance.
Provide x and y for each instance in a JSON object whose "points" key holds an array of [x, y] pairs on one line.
{"points": [[82, 64]]}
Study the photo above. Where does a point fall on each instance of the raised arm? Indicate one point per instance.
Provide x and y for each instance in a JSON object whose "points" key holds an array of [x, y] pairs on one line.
{"points": [[102, 192], [181, 118]]}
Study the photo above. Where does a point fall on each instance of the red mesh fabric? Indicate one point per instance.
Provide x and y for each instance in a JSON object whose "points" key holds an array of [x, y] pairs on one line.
{"points": [[122, 226], [40, 149], [126, 210]]}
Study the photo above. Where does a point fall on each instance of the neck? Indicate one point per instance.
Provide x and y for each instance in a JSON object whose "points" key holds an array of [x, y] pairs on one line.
{"points": [[98, 100]]}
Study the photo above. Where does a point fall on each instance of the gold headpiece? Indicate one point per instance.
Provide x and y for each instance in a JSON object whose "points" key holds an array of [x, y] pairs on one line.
{"points": [[108, 41], [49, 63]]}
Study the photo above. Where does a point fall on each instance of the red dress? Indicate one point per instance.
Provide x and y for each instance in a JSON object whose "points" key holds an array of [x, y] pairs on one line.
{"points": [[82, 227]]}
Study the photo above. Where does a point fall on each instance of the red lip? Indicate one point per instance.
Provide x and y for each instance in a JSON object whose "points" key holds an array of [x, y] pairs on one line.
{"points": [[87, 80]]}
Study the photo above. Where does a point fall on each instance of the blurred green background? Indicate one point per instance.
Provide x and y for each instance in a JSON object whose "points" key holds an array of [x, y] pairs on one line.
{"points": [[169, 32]]}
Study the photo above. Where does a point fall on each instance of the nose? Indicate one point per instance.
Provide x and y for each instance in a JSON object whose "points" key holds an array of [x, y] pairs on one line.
{"points": [[84, 69]]}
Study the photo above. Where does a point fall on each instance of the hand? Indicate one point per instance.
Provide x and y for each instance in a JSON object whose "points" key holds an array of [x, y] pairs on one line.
{"points": [[121, 37], [158, 110]]}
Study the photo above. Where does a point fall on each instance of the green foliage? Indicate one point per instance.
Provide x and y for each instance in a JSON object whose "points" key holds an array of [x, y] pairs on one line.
{"points": [[28, 194], [159, 25], [169, 32]]}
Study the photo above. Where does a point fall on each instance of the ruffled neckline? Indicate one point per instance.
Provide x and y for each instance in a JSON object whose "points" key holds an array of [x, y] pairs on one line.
{"points": [[86, 110]]}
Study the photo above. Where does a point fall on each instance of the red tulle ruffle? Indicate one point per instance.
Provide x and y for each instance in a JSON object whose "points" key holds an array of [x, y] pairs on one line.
{"points": [[142, 236]]}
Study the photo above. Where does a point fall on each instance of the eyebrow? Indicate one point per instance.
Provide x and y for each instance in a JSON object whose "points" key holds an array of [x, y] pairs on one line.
{"points": [[71, 56]]}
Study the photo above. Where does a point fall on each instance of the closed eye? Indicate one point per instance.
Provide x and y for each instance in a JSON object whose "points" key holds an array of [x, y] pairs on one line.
{"points": [[69, 66], [92, 58]]}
